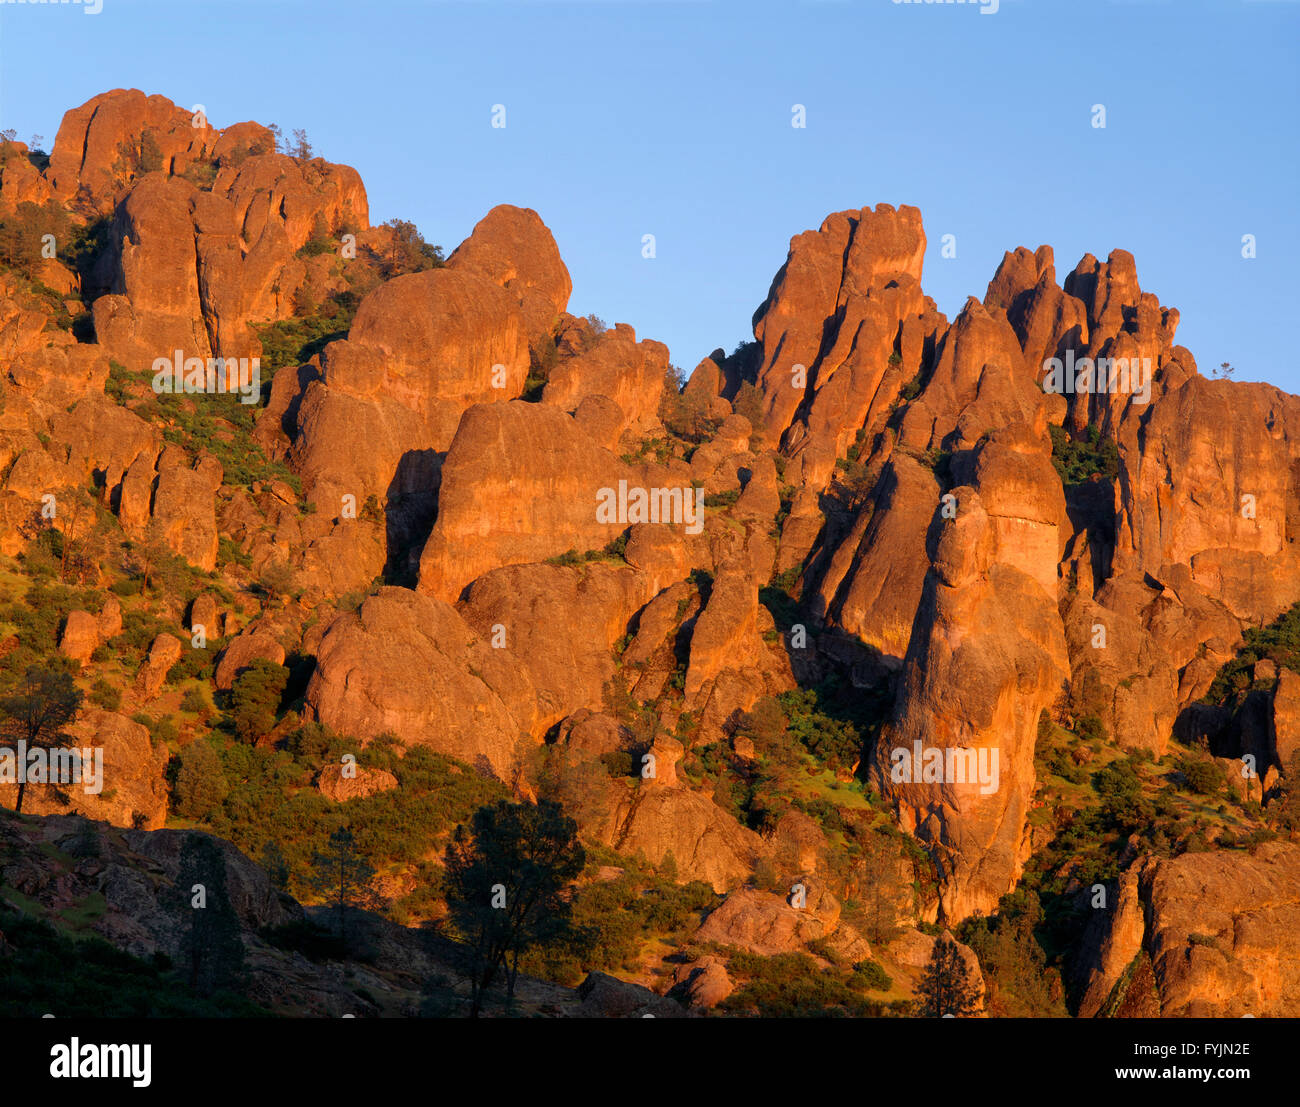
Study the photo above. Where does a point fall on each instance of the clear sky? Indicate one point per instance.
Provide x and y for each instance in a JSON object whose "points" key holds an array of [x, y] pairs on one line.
{"points": [[674, 119]]}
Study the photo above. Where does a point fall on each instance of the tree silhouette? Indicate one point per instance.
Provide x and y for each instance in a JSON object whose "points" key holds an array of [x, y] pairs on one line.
{"points": [[946, 988], [211, 945], [38, 708], [505, 882], [343, 877], [407, 251]]}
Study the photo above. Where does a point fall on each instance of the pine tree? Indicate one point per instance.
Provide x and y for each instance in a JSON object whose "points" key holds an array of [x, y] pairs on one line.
{"points": [[946, 988], [343, 877], [212, 948], [277, 868]]}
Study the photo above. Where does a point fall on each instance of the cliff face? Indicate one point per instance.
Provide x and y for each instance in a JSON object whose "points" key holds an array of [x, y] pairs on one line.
{"points": [[1216, 930], [869, 498]]}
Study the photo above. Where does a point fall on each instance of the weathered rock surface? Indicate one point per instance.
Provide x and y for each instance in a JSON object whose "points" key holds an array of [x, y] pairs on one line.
{"points": [[337, 783], [559, 625], [131, 792], [80, 636], [706, 843], [763, 923], [987, 656], [409, 665], [242, 651], [163, 654], [1218, 930], [537, 500]]}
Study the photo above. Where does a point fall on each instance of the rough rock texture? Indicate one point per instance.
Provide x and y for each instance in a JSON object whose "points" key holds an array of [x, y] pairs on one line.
{"points": [[988, 655], [80, 636], [440, 333], [92, 150], [875, 594], [618, 367], [513, 248], [1122, 929], [890, 470], [703, 983], [409, 665], [1286, 716], [559, 625], [163, 654], [333, 782], [109, 622], [763, 923], [242, 651], [1250, 907], [607, 997], [706, 843], [730, 666], [837, 308], [1183, 493], [1218, 930], [537, 500], [133, 791]]}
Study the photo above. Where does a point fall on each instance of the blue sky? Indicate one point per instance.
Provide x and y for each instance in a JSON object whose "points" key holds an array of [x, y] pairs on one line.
{"points": [[673, 119]]}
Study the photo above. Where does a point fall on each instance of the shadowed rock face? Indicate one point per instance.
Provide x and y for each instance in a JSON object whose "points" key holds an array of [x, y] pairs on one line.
{"points": [[873, 587], [422, 349]]}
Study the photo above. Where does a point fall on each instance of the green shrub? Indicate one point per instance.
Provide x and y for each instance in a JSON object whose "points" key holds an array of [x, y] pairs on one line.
{"points": [[1077, 461], [44, 970], [869, 976], [194, 700], [255, 698], [1203, 776], [201, 784], [106, 695]]}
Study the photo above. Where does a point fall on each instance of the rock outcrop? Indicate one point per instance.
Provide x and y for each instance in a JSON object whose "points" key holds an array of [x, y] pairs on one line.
{"points": [[987, 656], [409, 665], [1217, 931]]}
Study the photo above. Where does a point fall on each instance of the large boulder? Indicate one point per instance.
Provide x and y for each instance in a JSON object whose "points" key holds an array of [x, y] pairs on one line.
{"points": [[513, 248], [409, 665], [767, 924], [130, 790], [242, 651], [536, 499], [80, 636], [163, 654]]}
